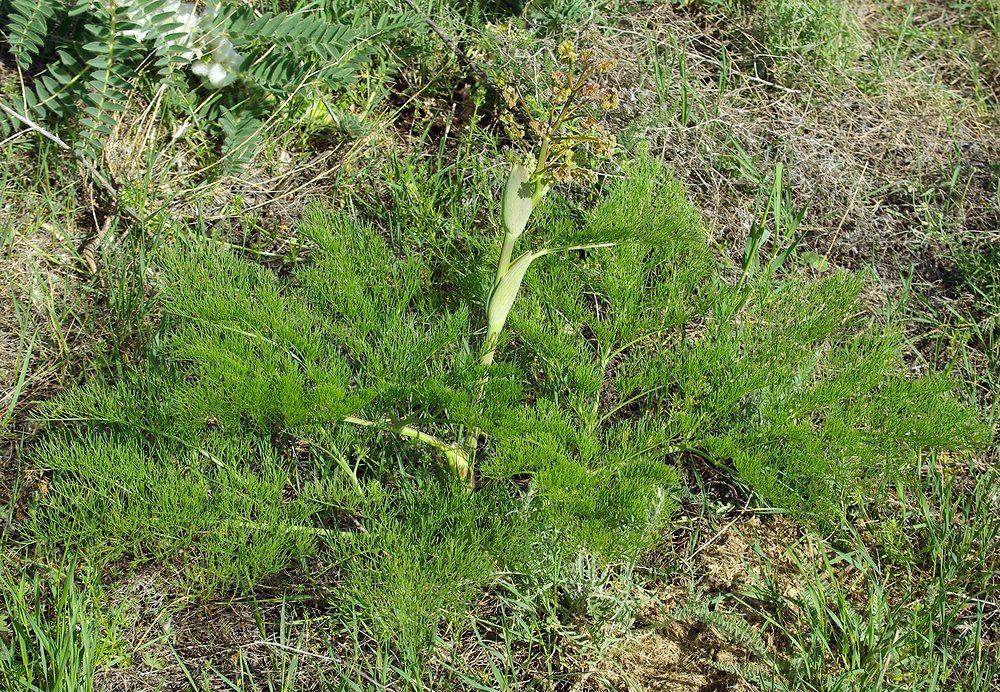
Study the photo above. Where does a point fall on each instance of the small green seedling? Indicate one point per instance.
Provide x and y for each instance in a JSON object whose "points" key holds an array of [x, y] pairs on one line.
{"points": [[786, 222]]}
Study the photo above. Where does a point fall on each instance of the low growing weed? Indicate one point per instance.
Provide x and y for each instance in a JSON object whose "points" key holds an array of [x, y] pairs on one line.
{"points": [[51, 635], [616, 364], [922, 619], [824, 35], [424, 426]]}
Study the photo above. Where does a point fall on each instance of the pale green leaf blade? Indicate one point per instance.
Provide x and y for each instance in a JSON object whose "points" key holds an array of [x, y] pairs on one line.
{"points": [[516, 206], [505, 292]]}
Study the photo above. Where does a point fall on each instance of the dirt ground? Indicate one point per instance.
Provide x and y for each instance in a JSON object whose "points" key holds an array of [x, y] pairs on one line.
{"points": [[688, 654]]}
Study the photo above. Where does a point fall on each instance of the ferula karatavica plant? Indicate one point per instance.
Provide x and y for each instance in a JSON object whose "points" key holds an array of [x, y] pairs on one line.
{"points": [[260, 414], [569, 138]]}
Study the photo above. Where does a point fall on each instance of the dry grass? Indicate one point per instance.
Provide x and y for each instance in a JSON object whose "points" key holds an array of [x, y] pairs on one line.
{"points": [[876, 166]]}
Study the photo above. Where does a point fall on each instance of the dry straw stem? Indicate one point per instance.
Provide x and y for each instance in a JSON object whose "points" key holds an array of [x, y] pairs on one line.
{"points": [[456, 455], [87, 164], [275, 187]]}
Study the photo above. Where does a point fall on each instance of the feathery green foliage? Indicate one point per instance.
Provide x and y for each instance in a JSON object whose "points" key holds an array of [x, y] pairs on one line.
{"points": [[786, 384], [618, 363], [221, 504]]}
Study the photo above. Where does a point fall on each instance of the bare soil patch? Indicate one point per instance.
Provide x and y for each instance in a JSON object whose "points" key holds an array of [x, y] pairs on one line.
{"points": [[690, 641]]}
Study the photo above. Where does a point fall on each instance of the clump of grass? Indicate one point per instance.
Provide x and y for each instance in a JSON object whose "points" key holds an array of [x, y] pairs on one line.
{"points": [[923, 619], [823, 32], [825, 36], [50, 636], [979, 271]]}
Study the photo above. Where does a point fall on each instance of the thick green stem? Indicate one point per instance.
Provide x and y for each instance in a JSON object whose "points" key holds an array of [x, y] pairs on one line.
{"points": [[543, 155], [506, 252], [490, 349], [456, 455], [540, 190]]}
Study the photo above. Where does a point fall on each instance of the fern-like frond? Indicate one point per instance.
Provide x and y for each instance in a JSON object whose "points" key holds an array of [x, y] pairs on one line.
{"points": [[302, 34], [159, 22], [111, 54], [241, 136], [54, 93], [298, 48], [27, 29]]}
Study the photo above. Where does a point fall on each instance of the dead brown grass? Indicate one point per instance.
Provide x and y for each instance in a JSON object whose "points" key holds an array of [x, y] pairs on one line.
{"points": [[859, 160]]}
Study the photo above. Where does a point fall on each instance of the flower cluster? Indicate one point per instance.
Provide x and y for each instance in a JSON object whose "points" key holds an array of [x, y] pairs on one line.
{"points": [[220, 64], [212, 56], [571, 131]]}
